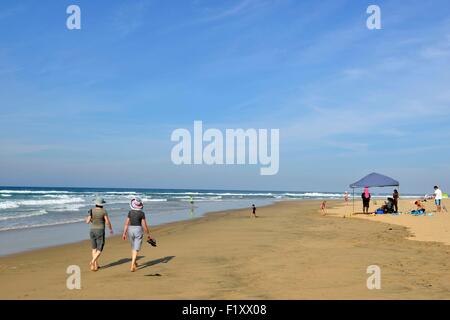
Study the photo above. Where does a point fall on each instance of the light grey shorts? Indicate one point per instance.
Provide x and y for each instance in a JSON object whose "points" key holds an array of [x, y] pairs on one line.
{"points": [[135, 235]]}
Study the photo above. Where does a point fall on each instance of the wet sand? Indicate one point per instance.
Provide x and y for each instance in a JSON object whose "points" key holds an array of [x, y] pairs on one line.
{"points": [[289, 252]]}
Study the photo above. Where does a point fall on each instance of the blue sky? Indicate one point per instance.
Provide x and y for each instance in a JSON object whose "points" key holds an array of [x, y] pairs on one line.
{"points": [[96, 106]]}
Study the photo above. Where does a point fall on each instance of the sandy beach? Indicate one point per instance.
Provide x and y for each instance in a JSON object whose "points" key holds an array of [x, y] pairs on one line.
{"points": [[434, 227], [289, 252]]}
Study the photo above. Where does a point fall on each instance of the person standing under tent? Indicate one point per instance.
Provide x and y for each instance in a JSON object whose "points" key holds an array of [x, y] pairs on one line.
{"points": [[395, 196], [366, 200]]}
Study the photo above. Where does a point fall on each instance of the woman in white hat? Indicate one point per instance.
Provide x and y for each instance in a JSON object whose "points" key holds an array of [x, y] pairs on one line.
{"points": [[135, 225], [98, 217]]}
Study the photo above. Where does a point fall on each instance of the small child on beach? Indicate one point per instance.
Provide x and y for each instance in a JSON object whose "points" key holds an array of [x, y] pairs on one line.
{"points": [[323, 208]]}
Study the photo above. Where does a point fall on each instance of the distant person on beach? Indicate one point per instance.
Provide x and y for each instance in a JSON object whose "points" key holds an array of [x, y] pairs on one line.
{"points": [[98, 217], [254, 211], [135, 225], [438, 198], [395, 196], [366, 200], [346, 197], [191, 200], [323, 208]]}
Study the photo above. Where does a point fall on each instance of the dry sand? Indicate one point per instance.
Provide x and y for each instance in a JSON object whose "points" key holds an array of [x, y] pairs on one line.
{"points": [[423, 227], [289, 252]]}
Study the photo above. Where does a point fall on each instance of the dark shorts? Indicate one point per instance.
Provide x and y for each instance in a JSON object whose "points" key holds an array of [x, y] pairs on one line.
{"points": [[97, 239], [437, 202], [366, 204]]}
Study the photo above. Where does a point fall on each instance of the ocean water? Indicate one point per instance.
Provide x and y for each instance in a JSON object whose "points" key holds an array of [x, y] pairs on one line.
{"points": [[40, 217]]}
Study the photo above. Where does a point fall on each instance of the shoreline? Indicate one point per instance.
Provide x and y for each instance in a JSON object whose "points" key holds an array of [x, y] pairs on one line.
{"points": [[118, 235], [48, 236], [289, 252]]}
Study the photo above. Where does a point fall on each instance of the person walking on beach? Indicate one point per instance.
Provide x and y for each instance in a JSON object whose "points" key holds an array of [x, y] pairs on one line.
{"points": [[323, 208], [346, 197], [366, 200], [134, 228], [437, 198], [395, 196], [98, 217], [254, 211]]}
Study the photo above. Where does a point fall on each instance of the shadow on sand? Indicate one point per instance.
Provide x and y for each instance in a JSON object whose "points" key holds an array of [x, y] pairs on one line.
{"points": [[155, 262], [119, 262]]}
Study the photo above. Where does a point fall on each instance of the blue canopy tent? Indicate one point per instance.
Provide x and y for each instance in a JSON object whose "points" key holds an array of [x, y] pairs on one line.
{"points": [[373, 180]]}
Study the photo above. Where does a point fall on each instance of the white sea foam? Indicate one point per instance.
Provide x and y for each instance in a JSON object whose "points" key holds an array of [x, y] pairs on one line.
{"points": [[214, 194], [121, 193], [44, 202], [49, 202], [68, 207], [24, 226], [56, 196], [27, 215], [153, 200], [5, 195], [33, 191], [314, 195], [8, 205]]}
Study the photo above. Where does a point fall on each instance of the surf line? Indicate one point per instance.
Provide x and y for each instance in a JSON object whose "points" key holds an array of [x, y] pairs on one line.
{"points": [[199, 310], [236, 146]]}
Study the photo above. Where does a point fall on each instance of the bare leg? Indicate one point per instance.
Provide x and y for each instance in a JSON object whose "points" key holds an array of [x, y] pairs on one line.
{"points": [[95, 256], [133, 260]]}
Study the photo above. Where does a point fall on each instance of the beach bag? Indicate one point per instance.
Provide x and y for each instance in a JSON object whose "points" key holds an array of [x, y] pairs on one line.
{"points": [[379, 211]]}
